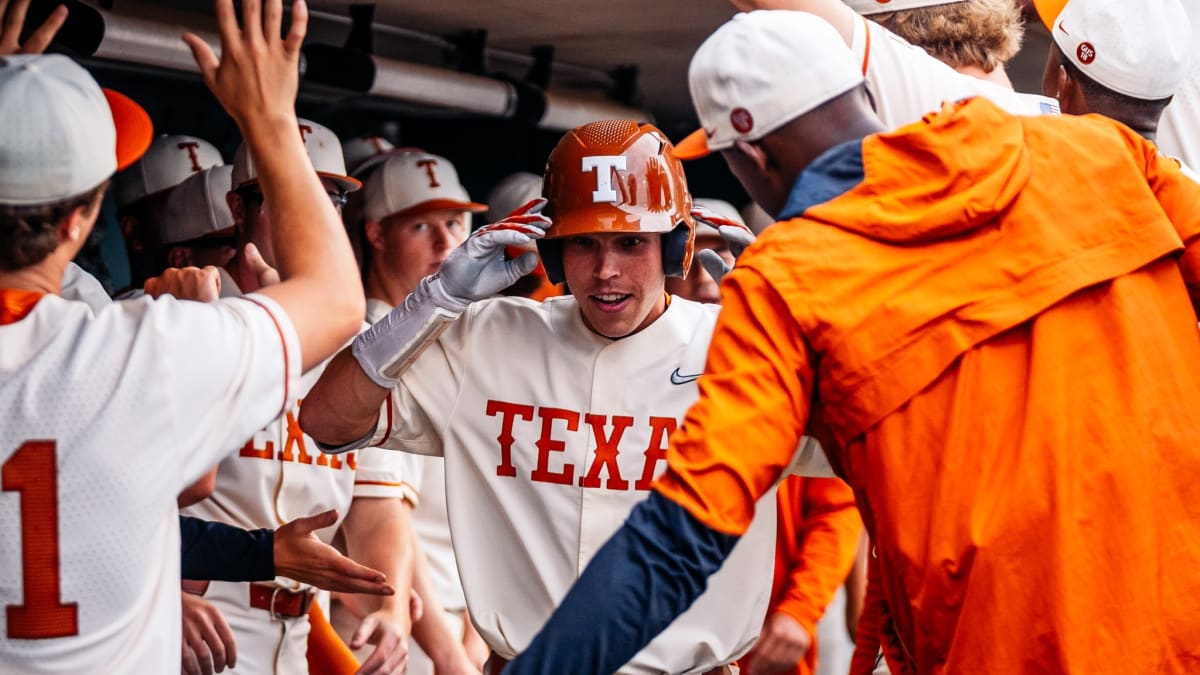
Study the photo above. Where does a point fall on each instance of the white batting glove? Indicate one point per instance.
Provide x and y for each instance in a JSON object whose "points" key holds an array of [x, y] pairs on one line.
{"points": [[736, 235], [473, 271], [477, 269]]}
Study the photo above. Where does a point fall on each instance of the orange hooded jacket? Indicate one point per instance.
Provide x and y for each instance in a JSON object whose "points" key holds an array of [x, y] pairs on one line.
{"points": [[990, 316]]}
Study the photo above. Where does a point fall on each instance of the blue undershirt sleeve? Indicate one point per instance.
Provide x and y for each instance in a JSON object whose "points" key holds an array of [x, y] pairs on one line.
{"points": [[214, 551], [645, 576]]}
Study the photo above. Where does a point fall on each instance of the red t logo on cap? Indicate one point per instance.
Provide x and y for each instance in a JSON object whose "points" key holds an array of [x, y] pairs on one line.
{"points": [[741, 120], [428, 165], [192, 147], [1086, 53]]}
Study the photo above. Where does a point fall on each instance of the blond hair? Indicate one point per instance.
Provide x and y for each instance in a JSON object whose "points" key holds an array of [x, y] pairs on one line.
{"points": [[981, 33]]}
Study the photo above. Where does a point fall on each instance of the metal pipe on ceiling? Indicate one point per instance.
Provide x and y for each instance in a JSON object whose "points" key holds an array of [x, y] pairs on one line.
{"points": [[154, 43]]}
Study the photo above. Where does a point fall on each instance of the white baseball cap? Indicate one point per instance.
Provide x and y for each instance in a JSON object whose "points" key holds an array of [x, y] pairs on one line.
{"points": [[62, 134], [413, 181], [719, 207], [170, 159], [324, 151], [869, 7], [761, 70], [364, 152], [511, 193], [197, 208], [1139, 49]]}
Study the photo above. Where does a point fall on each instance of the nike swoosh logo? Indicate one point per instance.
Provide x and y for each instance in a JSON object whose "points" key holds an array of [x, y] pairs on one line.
{"points": [[678, 378], [710, 134], [1063, 28]]}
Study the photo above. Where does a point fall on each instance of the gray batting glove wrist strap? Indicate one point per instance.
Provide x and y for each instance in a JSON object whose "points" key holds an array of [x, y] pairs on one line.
{"points": [[387, 349]]}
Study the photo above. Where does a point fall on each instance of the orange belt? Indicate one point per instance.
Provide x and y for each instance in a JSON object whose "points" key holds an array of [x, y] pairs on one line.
{"points": [[281, 602]]}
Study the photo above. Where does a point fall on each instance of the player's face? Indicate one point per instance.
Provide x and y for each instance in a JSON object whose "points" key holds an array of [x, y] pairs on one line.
{"points": [[699, 285], [617, 278], [767, 189], [410, 248], [254, 226]]}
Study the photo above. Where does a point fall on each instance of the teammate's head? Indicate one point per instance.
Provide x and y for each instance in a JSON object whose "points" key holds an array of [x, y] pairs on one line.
{"points": [[416, 212], [622, 222], [141, 193], [965, 34], [698, 285], [774, 90], [1120, 59], [63, 137], [246, 198], [198, 229]]}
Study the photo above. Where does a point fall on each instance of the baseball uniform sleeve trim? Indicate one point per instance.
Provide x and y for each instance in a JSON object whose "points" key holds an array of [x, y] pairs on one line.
{"points": [[383, 489], [290, 343]]}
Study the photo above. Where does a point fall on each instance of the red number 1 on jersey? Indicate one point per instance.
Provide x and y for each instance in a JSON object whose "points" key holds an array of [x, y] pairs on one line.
{"points": [[32, 473]]}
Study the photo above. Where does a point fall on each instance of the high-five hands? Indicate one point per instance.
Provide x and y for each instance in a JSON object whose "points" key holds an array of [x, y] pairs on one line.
{"points": [[736, 235]]}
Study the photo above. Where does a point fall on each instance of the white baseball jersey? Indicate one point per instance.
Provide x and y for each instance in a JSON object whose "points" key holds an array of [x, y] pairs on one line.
{"points": [[906, 83], [107, 417], [276, 475], [551, 434]]}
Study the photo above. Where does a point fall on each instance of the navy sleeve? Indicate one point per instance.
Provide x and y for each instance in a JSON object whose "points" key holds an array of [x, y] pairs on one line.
{"points": [[219, 552], [647, 574]]}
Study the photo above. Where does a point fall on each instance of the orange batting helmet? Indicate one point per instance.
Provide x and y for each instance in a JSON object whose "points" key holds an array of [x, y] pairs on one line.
{"points": [[617, 176]]}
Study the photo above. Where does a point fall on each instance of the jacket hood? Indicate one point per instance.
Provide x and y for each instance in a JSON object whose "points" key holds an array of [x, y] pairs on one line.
{"points": [[952, 172]]}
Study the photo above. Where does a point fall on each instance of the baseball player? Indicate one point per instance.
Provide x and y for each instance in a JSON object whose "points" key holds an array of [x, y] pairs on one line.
{"points": [[986, 313], [109, 415], [905, 82], [141, 194], [279, 473], [553, 417], [198, 228], [416, 211], [512, 192], [975, 37]]}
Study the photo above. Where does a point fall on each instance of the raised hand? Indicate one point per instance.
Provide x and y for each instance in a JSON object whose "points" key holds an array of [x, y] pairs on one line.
{"points": [[258, 74], [736, 235], [13, 20], [477, 269]]}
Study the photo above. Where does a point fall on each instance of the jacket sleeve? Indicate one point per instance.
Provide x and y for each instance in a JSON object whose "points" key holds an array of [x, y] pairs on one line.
{"points": [[758, 377], [826, 543], [214, 551], [1178, 193]]}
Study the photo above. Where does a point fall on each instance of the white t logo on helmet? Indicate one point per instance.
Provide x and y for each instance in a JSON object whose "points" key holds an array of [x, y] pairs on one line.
{"points": [[604, 165]]}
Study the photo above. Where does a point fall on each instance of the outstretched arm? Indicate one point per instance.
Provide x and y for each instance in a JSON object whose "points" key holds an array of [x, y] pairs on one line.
{"points": [[256, 80], [733, 446], [343, 407]]}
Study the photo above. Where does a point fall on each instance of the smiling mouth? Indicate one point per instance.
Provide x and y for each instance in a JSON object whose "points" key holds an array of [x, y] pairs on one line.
{"points": [[611, 302]]}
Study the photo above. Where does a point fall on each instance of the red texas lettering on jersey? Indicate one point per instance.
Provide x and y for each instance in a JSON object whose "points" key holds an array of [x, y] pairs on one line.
{"points": [[295, 449], [605, 431]]}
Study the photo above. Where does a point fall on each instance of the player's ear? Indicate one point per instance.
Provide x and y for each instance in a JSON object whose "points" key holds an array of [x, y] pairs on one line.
{"points": [[374, 232], [755, 153]]}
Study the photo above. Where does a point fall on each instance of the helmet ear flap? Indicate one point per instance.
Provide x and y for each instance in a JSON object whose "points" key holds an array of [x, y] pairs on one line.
{"points": [[677, 248], [552, 260]]}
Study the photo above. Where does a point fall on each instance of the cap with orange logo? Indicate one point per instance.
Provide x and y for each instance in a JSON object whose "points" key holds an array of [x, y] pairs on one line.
{"points": [[1139, 49]]}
